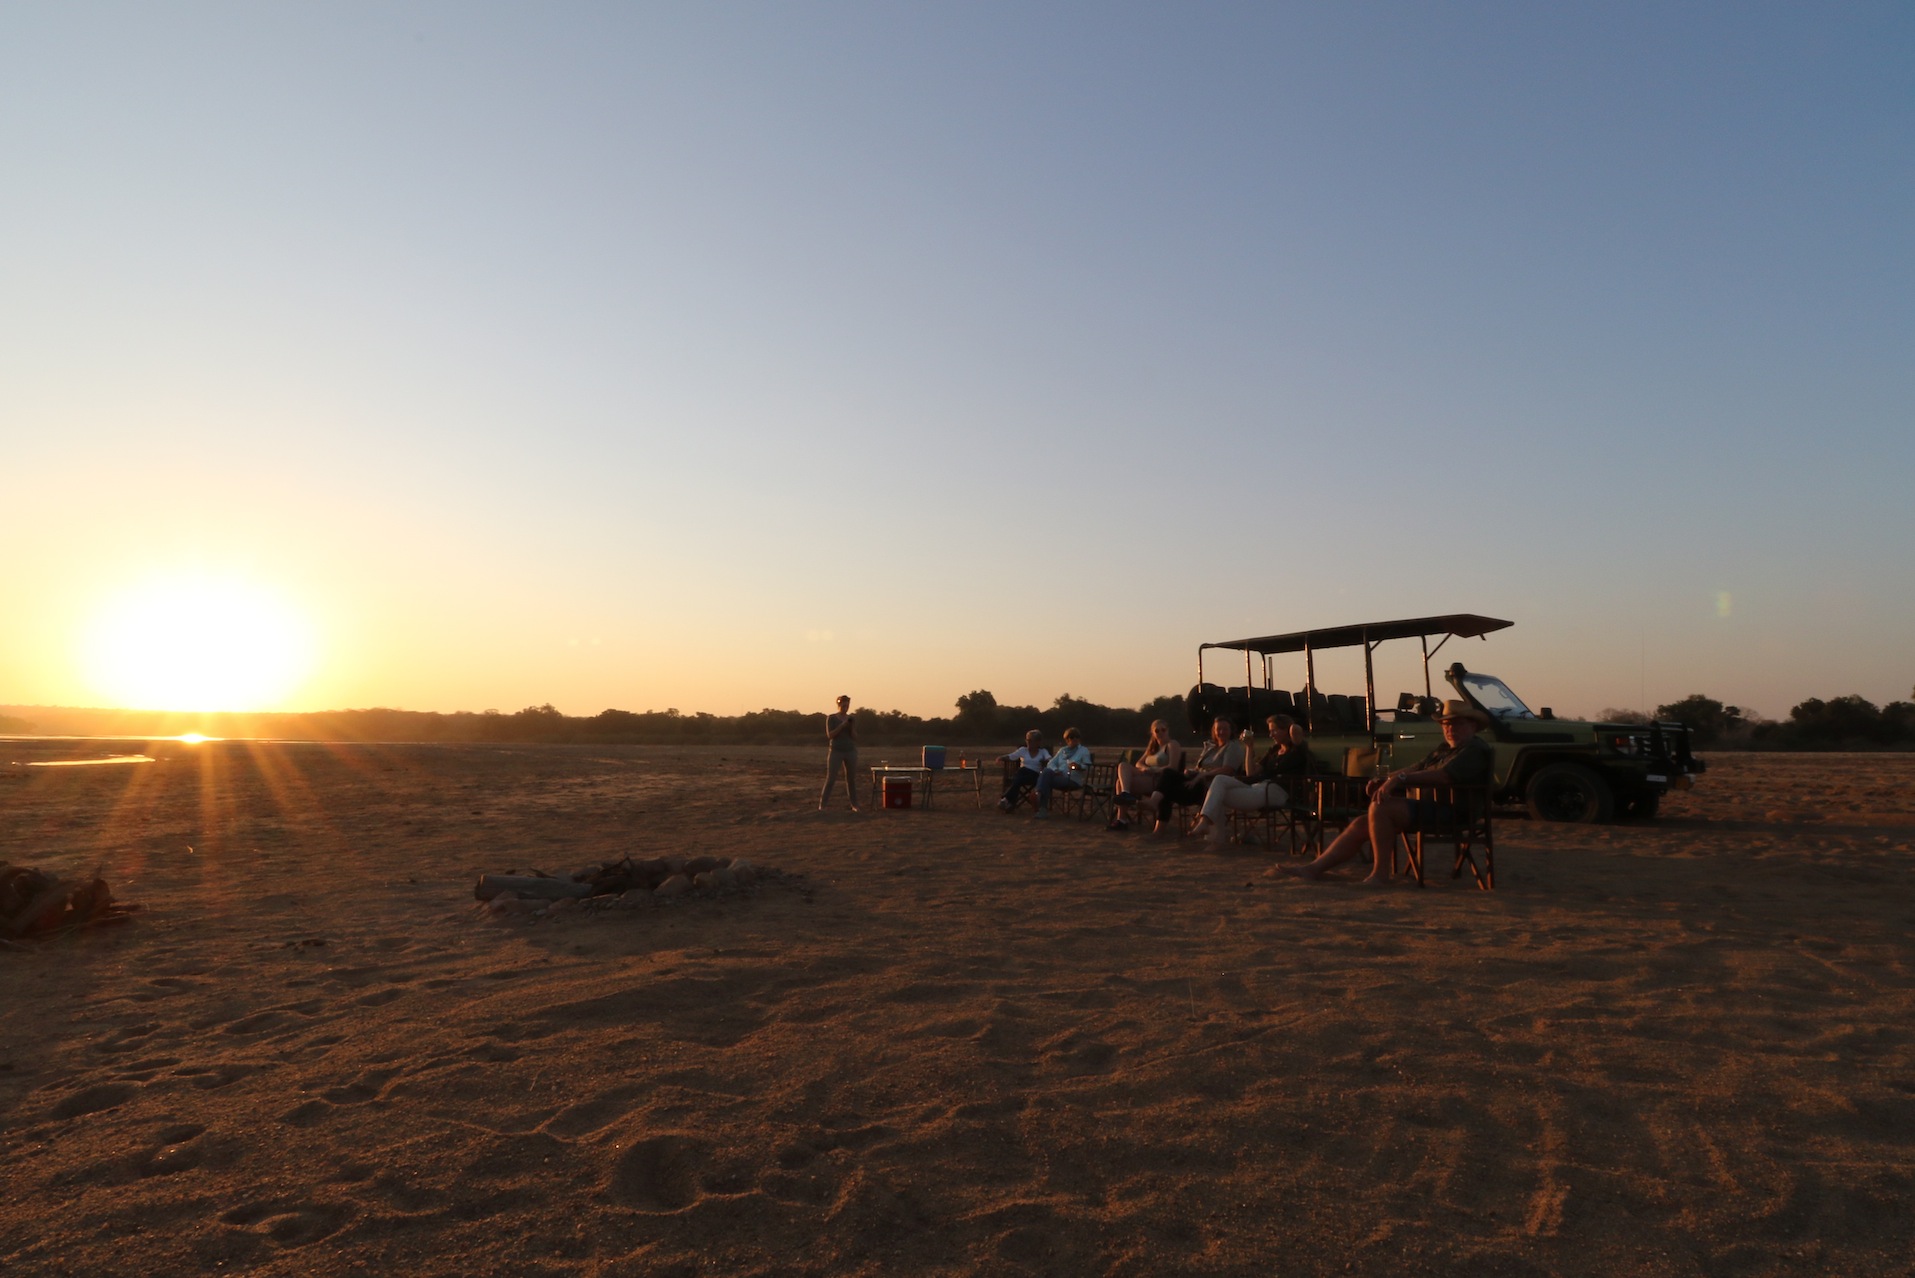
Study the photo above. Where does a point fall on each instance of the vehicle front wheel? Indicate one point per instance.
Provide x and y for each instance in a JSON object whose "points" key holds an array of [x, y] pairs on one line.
{"points": [[1644, 806], [1569, 792]]}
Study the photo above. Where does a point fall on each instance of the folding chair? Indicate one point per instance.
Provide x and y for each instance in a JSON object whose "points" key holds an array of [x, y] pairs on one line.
{"points": [[1073, 801], [1468, 830], [1335, 803], [1083, 800], [1094, 800], [1028, 798], [1290, 819]]}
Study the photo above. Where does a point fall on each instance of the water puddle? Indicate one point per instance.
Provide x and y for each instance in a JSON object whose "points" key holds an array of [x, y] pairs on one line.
{"points": [[89, 763]]}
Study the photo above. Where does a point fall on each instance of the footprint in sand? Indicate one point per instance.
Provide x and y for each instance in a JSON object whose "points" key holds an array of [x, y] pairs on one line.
{"points": [[141, 1070], [289, 1225], [126, 1038], [362, 1089], [494, 1053], [1076, 1054], [659, 1174], [178, 1149], [407, 1197], [213, 1077], [257, 1023], [91, 1100], [306, 1114], [599, 1112], [792, 1157]]}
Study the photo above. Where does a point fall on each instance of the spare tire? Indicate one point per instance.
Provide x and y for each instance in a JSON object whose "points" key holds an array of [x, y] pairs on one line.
{"points": [[1569, 792], [1201, 704]]}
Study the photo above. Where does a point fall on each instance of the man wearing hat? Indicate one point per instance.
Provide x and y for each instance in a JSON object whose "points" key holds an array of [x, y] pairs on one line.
{"points": [[1464, 759]]}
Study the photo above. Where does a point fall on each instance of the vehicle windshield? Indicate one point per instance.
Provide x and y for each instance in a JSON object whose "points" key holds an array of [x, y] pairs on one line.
{"points": [[1494, 696]]}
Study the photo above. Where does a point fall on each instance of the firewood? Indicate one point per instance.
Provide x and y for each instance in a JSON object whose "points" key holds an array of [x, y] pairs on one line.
{"points": [[528, 886], [41, 912]]}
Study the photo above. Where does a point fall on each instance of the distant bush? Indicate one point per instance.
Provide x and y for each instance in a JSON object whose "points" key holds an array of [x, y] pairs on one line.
{"points": [[1710, 720], [1846, 723]]}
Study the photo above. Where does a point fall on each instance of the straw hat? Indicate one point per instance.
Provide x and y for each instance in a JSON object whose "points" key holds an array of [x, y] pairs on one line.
{"points": [[1463, 710]]}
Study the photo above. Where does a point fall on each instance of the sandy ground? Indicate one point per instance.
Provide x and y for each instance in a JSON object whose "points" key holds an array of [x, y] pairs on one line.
{"points": [[965, 1043]]}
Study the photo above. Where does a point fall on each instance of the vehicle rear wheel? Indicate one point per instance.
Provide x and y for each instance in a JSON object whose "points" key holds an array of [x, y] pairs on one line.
{"points": [[1569, 792]]}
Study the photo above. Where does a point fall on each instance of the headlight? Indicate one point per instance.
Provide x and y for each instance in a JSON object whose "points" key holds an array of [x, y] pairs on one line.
{"points": [[1623, 744]]}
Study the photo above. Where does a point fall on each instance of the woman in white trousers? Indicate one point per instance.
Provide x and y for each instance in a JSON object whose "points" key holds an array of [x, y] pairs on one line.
{"points": [[1286, 758]]}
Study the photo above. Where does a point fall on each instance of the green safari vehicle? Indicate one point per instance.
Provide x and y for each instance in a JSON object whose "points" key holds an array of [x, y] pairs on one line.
{"points": [[1559, 769]]}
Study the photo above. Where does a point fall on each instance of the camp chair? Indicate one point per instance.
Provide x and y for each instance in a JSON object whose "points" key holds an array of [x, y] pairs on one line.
{"points": [[1083, 802], [1094, 800], [1008, 770], [1072, 801], [1288, 820], [1469, 831], [1330, 804]]}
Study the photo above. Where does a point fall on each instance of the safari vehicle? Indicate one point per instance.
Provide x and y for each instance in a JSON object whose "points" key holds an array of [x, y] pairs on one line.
{"points": [[1560, 769]]}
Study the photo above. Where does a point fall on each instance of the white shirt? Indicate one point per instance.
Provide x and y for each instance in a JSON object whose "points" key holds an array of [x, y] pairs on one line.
{"points": [[1023, 757]]}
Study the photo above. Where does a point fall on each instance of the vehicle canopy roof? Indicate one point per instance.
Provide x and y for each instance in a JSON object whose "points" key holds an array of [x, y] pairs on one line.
{"points": [[1465, 625]]}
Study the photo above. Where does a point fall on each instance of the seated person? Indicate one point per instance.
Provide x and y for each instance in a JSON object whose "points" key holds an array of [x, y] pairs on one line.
{"points": [[1030, 759], [1465, 758], [1069, 769], [1222, 757], [1162, 755], [1287, 759]]}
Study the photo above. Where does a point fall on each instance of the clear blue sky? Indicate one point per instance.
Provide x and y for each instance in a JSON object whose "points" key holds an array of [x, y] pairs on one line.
{"points": [[719, 357]]}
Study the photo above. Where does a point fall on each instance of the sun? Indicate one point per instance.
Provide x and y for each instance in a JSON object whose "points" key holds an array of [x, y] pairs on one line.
{"points": [[198, 642]]}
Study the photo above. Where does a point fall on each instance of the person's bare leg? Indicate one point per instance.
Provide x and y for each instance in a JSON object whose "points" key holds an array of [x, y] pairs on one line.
{"points": [[1388, 819], [1345, 847]]}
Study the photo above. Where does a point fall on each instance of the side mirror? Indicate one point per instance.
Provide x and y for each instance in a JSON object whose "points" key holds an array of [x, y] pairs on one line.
{"points": [[1548, 713]]}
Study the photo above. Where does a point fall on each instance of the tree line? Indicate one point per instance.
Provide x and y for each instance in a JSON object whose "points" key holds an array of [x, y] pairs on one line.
{"points": [[1846, 723], [978, 720]]}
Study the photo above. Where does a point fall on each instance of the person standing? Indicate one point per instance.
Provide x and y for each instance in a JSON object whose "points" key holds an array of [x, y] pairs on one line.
{"points": [[841, 733]]}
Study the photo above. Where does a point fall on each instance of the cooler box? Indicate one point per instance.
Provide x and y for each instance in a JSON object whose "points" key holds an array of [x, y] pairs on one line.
{"points": [[897, 792], [934, 758]]}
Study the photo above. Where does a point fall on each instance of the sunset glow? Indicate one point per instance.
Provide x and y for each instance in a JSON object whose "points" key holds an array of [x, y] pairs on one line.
{"points": [[649, 356], [198, 643]]}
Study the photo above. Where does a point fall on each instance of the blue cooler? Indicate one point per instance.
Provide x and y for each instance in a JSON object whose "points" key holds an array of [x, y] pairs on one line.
{"points": [[934, 758]]}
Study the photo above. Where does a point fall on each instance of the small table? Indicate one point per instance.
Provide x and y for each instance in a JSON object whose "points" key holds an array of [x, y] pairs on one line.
{"points": [[928, 775]]}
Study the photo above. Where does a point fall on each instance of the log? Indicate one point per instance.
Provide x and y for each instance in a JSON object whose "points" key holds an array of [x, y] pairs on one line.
{"points": [[526, 885], [39, 911]]}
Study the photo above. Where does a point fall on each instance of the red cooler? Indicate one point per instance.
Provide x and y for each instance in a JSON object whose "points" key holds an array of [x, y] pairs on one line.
{"points": [[897, 792]]}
